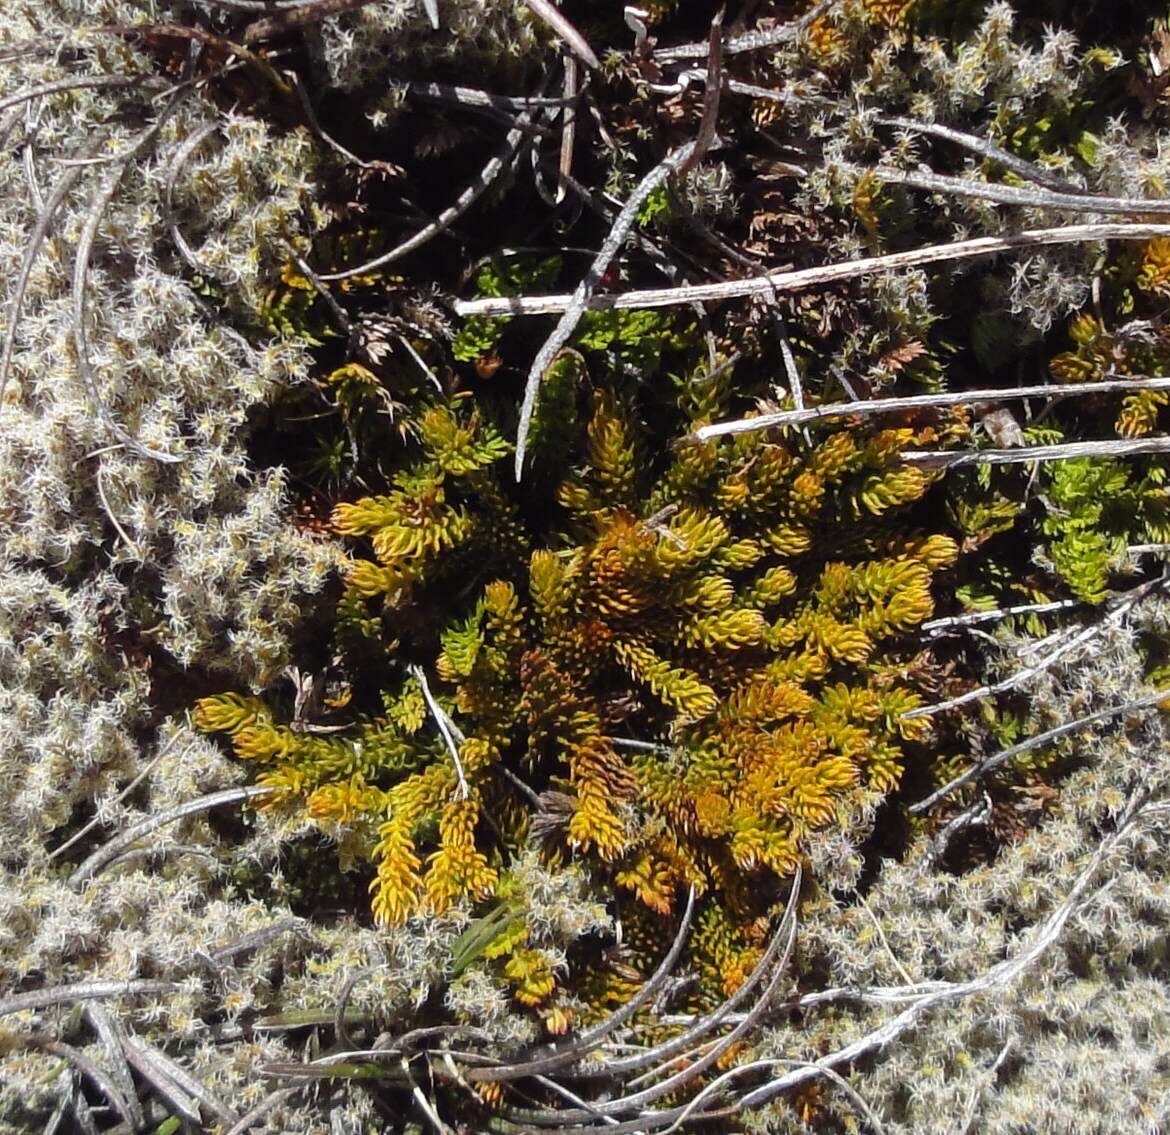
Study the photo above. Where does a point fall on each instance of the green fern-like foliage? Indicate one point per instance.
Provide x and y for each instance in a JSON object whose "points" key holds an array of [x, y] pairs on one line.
{"points": [[680, 678]]}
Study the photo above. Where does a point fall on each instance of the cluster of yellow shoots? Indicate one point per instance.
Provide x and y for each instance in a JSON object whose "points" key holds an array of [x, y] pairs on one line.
{"points": [[1099, 353], [828, 42], [681, 680]]}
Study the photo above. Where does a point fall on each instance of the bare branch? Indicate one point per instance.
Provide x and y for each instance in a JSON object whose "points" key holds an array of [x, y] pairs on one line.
{"points": [[82, 991], [775, 958], [32, 249], [714, 89], [102, 857], [88, 1068], [300, 16], [93, 823], [81, 261], [978, 813], [565, 30], [447, 728], [865, 409], [256, 940], [1067, 643], [1036, 742], [172, 1093], [984, 149], [577, 304], [1067, 451], [179, 1075], [568, 128], [805, 278], [261, 1110], [110, 1034], [998, 976], [181, 156], [750, 41], [1016, 195], [482, 183], [481, 100], [587, 1040], [335, 309], [937, 626], [82, 82]]}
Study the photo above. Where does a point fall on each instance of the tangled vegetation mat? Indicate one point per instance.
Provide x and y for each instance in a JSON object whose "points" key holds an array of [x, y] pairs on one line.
{"points": [[571, 567]]}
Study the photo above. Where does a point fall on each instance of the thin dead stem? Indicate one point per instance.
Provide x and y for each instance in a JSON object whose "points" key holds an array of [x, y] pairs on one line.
{"points": [[181, 156], [576, 42], [102, 857], [32, 248], [261, 1110], [1017, 195], [954, 622], [804, 279], [998, 976], [580, 301], [82, 991], [447, 729], [1067, 644], [588, 1040], [482, 183], [81, 263], [750, 41], [1020, 166], [991, 763], [865, 409], [1068, 451], [143, 1062]]}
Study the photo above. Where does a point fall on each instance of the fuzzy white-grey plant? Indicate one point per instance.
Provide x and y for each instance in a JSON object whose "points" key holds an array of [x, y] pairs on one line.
{"points": [[138, 544]]}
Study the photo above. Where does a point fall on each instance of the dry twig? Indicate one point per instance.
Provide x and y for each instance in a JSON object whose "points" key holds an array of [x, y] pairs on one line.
{"points": [[1067, 643], [579, 302], [1039, 741], [82, 991], [1066, 451], [298, 16], [749, 41], [1020, 166], [102, 857], [448, 730], [1017, 195], [577, 43], [803, 279], [868, 408], [482, 183]]}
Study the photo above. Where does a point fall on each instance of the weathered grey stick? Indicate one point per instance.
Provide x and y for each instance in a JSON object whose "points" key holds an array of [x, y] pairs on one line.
{"points": [[1018, 195], [579, 302], [867, 409], [81, 991], [482, 183], [924, 401], [984, 149], [803, 279], [1041, 739], [1129, 447], [116, 846], [565, 30], [749, 41]]}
